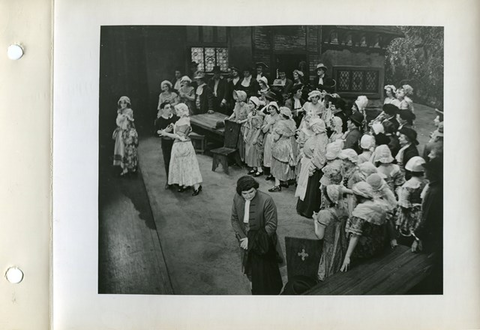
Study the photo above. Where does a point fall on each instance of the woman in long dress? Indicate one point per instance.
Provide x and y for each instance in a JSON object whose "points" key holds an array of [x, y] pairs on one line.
{"points": [[239, 115], [391, 173], [254, 138], [126, 138], [184, 170], [351, 174], [313, 159], [330, 227], [267, 129], [283, 158]]}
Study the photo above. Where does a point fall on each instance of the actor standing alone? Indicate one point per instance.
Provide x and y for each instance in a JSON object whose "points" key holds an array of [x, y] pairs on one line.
{"points": [[254, 220]]}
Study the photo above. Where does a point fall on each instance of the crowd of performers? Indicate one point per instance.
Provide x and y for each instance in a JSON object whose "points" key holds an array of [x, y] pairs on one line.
{"points": [[360, 176]]}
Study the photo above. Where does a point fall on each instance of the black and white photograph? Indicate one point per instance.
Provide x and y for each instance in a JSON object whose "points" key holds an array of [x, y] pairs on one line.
{"points": [[271, 160]]}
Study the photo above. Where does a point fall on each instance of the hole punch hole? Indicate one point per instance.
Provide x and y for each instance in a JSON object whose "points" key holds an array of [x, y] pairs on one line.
{"points": [[14, 275], [15, 52]]}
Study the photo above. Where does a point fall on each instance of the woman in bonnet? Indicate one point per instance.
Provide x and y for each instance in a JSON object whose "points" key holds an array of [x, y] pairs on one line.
{"points": [[126, 138], [254, 137], [184, 170], [187, 94], [390, 95], [167, 95]]}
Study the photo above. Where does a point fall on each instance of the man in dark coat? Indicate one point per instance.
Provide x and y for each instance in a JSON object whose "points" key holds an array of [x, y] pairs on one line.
{"points": [[429, 234], [254, 221], [261, 68], [354, 134], [218, 85], [407, 138], [295, 103], [282, 85], [321, 82], [204, 95], [390, 121], [233, 84]]}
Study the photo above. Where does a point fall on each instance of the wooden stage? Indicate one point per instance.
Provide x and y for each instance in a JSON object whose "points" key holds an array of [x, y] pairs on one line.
{"points": [[205, 124]]}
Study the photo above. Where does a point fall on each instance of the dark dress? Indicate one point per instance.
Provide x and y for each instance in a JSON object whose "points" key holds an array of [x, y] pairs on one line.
{"points": [[167, 143]]}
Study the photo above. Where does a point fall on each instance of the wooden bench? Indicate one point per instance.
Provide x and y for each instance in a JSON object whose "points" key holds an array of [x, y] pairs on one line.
{"points": [[395, 273], [198, 141]]}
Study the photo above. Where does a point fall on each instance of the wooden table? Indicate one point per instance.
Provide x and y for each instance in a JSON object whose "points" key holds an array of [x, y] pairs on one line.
{"points": [[205, 124]]}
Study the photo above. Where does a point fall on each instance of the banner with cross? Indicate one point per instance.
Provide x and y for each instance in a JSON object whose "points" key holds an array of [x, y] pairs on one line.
{"points": [[303, 256]]}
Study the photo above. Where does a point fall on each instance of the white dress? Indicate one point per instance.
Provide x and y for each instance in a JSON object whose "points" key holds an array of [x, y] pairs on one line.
{"points": [[184, 169]]}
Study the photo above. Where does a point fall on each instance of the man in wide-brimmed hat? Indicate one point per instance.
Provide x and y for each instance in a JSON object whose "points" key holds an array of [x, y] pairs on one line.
{"points": [[354, 133], [408, 143], [203, 93], [261, 69], [322, 83], [218, 85]]}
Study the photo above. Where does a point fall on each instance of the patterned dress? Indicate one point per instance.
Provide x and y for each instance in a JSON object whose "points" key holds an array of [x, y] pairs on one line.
{"points": [[240, 112], [368, 222], [268, 139], [282, 150], [334, 240], [126, 141], [184, 169], [253, 129], [409, 211], [351, 177]]}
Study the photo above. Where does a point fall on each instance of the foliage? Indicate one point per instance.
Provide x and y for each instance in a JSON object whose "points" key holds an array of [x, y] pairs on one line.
{"points": [[417, 60]]}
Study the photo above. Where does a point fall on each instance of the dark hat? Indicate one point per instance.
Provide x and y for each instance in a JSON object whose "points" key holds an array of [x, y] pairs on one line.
{"points": [[261, 64], [216, 68], [407, 115], [410, 134], [234, 68], [339, 103], [357, 118], [435, 167], [298, 285], [271, 96], [390, 109]]}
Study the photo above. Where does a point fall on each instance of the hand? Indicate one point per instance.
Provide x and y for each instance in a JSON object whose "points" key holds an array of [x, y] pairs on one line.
{"points": [[210, 111], [223, 102], [346, 264], [417, 246], [160, 132], [244, 243], [254, 141]]}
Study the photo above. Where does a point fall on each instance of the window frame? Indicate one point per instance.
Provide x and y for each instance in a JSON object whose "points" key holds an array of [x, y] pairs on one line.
{"points": [[350, 93], [210, 46]]}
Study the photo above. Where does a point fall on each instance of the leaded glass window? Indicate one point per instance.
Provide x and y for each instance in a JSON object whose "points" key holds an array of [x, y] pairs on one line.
{"points": [[208, 57]]}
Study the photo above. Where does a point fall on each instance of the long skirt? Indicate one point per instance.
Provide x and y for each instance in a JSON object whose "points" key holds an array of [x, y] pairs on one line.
{"points": [[241, 143], [184, 169], [267, 154], [125, 150], [281, 171], [334, 248], [311, 202], [254, 152]]}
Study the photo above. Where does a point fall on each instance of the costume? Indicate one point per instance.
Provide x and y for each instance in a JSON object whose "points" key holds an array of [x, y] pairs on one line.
{"points": [[253, 133], [171, 97], [187, 96], [282, 150], [268, 138], [312, 161], [261, 261], [352, 138], [409, 212], [240, 113], [368, 221], [204, 100], [184, 169], [218, 88], [126, 141], [392, 175]]}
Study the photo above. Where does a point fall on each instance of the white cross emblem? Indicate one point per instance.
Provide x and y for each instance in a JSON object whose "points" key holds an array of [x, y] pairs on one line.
{"points": [[303, 254]]}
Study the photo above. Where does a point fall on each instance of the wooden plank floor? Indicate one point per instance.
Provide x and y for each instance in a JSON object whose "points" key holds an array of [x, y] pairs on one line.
{"points": [[394, 273]]}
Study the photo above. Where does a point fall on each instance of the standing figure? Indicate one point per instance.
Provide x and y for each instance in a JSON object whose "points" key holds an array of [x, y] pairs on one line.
{"points": [[409, 213], [184, 170], [166, 122], [351, 174], [204, 99], [167, 95], [330, 227], [178, 80], [261, 68], [267, 129], [126, 138], [365, 228], [390, 94], [254, 138], [367, 144], [295, 103], [391, 173], [408, 92], [283, 158], [239, 115], [233, 84], [333, 169], [254, 221], [248, 83], [312, 159], [282, 85], [408, 143], [186, 94], [354, 133], [218, 85]]}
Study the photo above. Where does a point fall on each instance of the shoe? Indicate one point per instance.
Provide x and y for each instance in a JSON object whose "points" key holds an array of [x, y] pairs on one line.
{"points": [[275, 189], [269, 177], [182, 189], [196, 192], [258, 174], [251, 172]]}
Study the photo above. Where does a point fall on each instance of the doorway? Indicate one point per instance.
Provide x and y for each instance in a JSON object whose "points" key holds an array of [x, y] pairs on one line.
{"points": [[291, 62]]}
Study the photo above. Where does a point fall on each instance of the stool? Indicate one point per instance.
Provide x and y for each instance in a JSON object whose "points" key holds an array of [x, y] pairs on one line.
{"points": [[198, 142]]}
